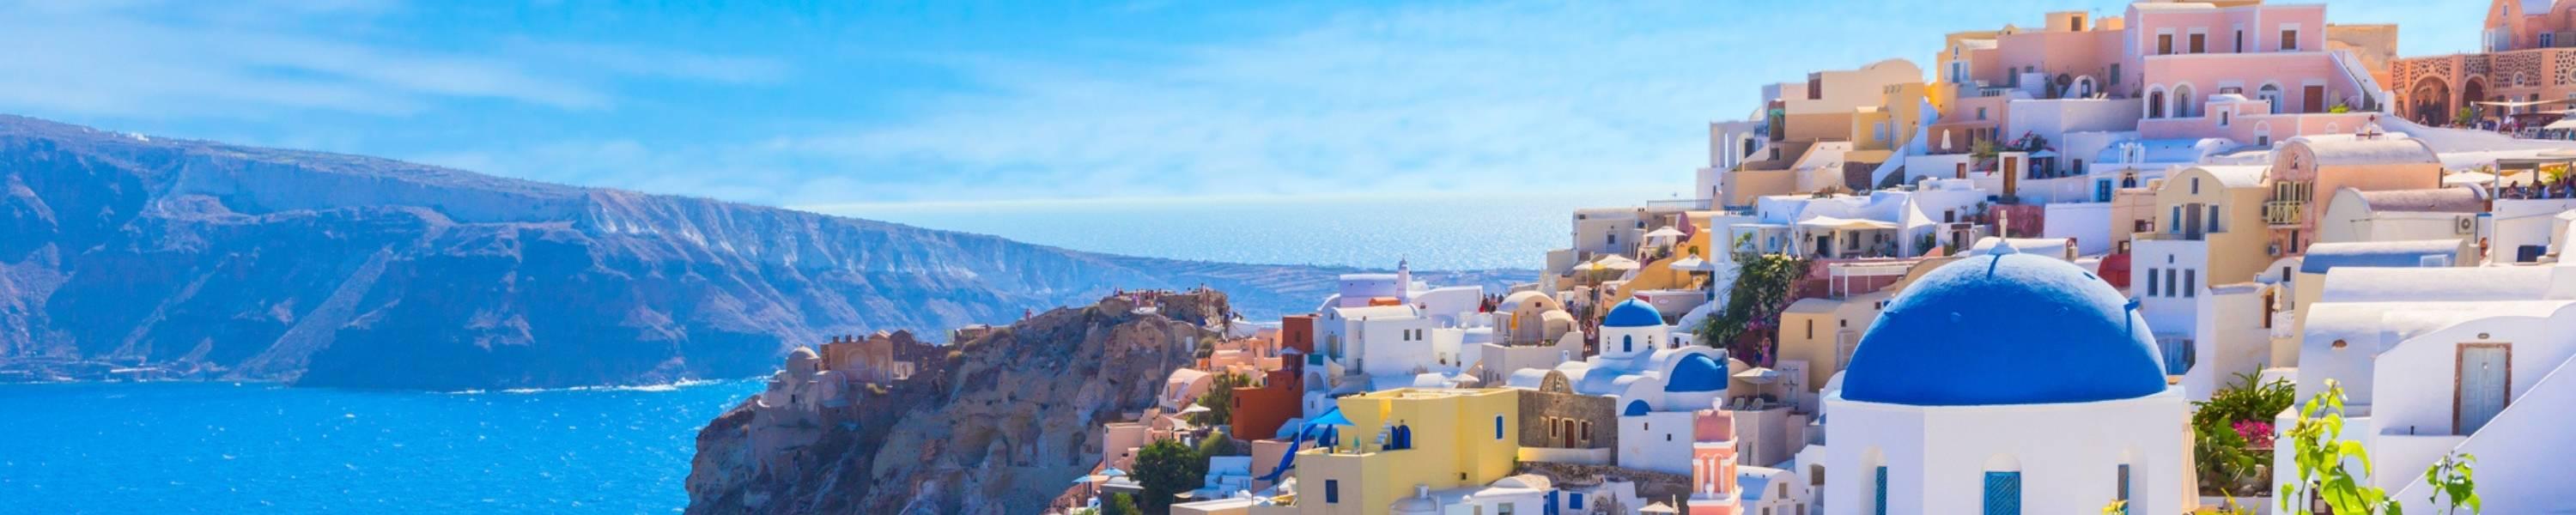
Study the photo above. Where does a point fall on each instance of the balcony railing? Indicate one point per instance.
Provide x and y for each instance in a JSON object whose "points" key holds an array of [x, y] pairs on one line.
{"points": [[2284, 212]]}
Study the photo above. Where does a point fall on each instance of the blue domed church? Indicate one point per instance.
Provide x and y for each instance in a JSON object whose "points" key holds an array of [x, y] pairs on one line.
{"points": [[2006, 383], [1658, 383]]}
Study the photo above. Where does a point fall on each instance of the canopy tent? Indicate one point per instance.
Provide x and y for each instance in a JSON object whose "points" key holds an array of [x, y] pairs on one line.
{"points": [[1844, 224]]}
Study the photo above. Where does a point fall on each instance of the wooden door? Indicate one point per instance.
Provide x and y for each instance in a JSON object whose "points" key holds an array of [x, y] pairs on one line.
{"points": [[2316, 99], [2485, 385]]}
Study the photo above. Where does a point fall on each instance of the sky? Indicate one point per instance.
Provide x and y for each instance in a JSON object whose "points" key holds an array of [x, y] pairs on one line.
{"points": [[847, 105]]}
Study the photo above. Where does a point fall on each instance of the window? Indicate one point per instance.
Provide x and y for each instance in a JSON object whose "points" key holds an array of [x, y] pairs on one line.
{"points": [[2151, 282], [1628, 343], [2548, 40], [1503, 509], [1575, 501], [2190, 282], [2114, 79], [1811, 329], [2174, 225], [2199, 43], [1498, 427], [2169, 284], [1552, 430], [2213, 218], [2164, 44], [1332, 491], [1981, 113], [2289, 40], [2240, 40], [2195, 185], [1586, 432]]}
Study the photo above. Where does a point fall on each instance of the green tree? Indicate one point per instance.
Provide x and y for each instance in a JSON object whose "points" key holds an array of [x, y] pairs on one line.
{"points": [[1166, 468], [1120, 504], [1220, 444], [2320, 451], [1219, 399], [1763, 283], [2452, 485]]}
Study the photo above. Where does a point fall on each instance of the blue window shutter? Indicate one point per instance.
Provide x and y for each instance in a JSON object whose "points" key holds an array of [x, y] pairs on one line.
{"points": [[2003, 493], [1332, 491], [1576, 502], [1881, 509], [1498, 427]]}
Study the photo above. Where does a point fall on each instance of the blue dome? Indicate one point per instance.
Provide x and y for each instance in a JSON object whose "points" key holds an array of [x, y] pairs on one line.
{"points": [[2005, 328], [1696, 373], [1636, 409], [1633, 313]]}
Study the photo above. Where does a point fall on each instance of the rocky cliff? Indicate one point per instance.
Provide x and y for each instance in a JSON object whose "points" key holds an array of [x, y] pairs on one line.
{"points": [[219, 261], [1000, 427]]}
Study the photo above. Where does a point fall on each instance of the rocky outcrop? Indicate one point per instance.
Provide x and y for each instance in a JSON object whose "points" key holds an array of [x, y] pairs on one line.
{"points": [[999, 427], [196, 259]]}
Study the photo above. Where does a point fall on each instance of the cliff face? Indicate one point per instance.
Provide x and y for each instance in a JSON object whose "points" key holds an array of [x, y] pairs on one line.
{"points": [[218, 261], [1000, 427]]}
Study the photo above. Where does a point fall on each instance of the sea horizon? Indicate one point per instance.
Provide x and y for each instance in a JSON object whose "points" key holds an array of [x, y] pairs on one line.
{"points": [[1439, 231]]}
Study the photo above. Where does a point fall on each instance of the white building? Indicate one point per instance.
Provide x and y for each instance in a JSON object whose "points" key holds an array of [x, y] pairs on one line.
{"points": [[2451, 359], [1996, 365]]}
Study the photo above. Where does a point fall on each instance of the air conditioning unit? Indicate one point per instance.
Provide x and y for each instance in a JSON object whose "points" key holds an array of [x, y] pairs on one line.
{"points": [[2465, 225]]}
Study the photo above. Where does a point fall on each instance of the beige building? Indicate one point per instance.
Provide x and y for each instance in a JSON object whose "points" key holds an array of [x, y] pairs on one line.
{"points": [[2306, 171]]}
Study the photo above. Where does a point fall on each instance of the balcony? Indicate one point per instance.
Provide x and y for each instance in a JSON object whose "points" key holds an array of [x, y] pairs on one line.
{"points": [[2284, 213]]}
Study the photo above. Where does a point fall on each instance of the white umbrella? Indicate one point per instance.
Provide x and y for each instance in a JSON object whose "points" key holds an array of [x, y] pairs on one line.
{"points": [[1693, 264], [1666, 232], [1194, 408], [1758, 375], [1614, 262]]}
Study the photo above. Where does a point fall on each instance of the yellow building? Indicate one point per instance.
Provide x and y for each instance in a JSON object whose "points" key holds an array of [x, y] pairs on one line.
{"points": [[1461, 438]]}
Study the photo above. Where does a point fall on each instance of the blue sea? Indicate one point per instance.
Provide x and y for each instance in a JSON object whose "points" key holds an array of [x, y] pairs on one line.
{"points": [[1438, 231], [260, 448]]}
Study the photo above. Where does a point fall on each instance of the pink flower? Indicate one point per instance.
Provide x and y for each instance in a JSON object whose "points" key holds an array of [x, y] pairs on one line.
{"points": [[2257, 433]]}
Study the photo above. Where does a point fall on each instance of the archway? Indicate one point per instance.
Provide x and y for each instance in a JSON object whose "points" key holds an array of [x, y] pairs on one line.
{"points": [[2156, 102], [2182, 102], [2270, 93], [2473, 91], [2084, 87], [2431, 103]]}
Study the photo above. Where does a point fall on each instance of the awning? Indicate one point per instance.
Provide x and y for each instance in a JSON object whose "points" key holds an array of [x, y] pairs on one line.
{"points": [[2522, 103], [1758, 375], [1332, 418], [1665, 232], [2560, 124], [1845, 224]]}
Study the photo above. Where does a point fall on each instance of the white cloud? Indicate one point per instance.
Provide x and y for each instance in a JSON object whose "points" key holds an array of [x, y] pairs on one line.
{"points": [[157, 59]]}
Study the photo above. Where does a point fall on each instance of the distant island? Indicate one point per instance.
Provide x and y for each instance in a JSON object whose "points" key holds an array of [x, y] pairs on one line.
{"points": [[130, 257]]}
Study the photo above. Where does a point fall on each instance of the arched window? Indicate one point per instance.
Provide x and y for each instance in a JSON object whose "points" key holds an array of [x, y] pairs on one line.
{"points": [[2270, 93], [1628, 343], [2156, 102]]}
